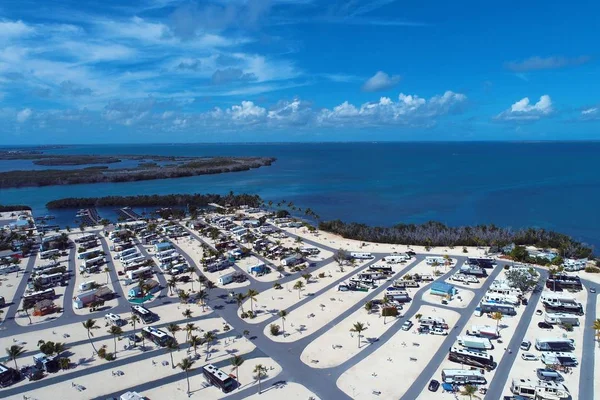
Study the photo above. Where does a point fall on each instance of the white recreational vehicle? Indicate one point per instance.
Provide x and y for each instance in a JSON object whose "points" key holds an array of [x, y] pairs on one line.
{"points": [[561, 319], [473, 342], [431, 260], [559, 358], [538, 389], [361, 256], [396, 258], [463, 376], [502, 299]]}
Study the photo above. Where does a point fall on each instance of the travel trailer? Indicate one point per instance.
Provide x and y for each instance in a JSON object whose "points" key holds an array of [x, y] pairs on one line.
{"points": [[463, 376], [502, 299], [538, 389], [561, 319], [560, 358], [555, 344], [361, 256], [476, 343]]}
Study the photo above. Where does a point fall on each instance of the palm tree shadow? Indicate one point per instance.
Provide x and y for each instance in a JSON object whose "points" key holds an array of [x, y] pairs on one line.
{"points": [[85, 361]]}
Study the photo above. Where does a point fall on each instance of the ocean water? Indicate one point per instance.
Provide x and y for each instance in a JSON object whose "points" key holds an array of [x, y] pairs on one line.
{"points": [[549, 184]]}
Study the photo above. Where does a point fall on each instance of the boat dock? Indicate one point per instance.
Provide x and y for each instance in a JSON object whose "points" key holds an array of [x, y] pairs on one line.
{"points": [[89, 216], [129, 214]]}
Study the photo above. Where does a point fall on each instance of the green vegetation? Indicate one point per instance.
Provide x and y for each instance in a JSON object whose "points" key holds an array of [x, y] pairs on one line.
{"points": [[171, 200], [437, 234], [185, 166], [14, 207]]}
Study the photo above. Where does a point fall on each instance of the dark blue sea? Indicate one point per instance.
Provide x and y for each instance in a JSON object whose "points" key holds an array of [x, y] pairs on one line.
{"points": [[549, 184]]}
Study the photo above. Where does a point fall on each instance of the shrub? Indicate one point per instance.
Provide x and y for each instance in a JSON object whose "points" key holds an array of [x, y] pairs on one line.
{"points": [[322, 275], [110, 357], [277, 286], [465, 250], [64, 363], [506, 267], [226, 328], [592, 270], [102, 352], [244, 315], [389, 312], [250, 314], [437, 273], [568, 327], [275, 329]]}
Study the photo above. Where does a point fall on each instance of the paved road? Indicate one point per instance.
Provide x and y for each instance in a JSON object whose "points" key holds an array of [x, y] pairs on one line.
{"points": [[503, 369], [9, 323], [587, 373]]}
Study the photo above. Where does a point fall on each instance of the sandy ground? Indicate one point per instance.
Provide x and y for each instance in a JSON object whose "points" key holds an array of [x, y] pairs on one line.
{"points": [[340, 345], [461, 299], [597, 350], [153, 369], [591, 277], [336, 242], [526, 369], [380, 371], [288, 391], [316, 313], [9, 284], [272, 300]]}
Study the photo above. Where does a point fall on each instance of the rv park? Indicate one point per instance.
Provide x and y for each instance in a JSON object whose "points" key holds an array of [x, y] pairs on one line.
{"points": [[240, 303]]}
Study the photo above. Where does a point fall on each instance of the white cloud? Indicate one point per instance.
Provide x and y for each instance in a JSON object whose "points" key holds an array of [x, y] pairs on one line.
{"points": [[590, 114], [524, 111], [541, 63], [24, 115], [380, 81], [589, 111], [14, 29], [246, 111]]}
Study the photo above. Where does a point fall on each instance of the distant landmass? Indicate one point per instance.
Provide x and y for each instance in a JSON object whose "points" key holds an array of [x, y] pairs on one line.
{"points": [[96, 171]]}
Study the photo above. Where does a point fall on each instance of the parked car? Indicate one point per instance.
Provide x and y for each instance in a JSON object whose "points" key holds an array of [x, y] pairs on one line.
{"points": [[433, 385], [544, 325], [407, 325], [529, 357], [438, 331], [538, 312], [592, 290], [548, 374], [525, 345]]}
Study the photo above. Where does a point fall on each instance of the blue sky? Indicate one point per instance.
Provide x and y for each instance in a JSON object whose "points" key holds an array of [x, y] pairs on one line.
{"points": [[104, 71]]}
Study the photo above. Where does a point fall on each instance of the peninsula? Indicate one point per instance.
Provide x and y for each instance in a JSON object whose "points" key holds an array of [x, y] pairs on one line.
{"points": [[95, 168]]}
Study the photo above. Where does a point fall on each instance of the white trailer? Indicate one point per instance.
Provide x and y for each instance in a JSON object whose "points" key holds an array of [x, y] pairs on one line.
{"points": [[225, 279], [361, 256], [473, 342], [561, 319]]}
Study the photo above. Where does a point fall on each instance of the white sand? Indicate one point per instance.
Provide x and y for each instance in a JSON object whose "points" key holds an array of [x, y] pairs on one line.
{"points": [[9, 284], [288, 391], [389, 369], [272, 300]]}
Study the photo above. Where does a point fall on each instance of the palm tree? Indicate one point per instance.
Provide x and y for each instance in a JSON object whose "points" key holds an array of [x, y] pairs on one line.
{"points": [[173, 328], [202, 297], [497, 316], [282, 315], [184, 297], [260, 371], [298, 286], [239, 298], [209, 337], [358, 328], [252, 296], [194, 342], [115, 331], [187, 313], [134, 320], [172, 284], [236, 362], [189, 328], [89, 325], [369, 306], [385, 302], [186, 365], [13, 352], [171, 347], [107, 270], [418, 317], [307, 277], [469, 390]]}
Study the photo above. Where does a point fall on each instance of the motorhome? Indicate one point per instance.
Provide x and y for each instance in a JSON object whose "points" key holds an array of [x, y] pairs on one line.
{"points": [[561, 319], [538, 389], [504, 291], [472, 342], [89, 254], [486, 331], [433, 322], [291, 261], [175, 257], [165, 254], [559, 358], [86, 264], [4, 270], [130, 256], [139, 273], [554, 344], [397, 295], [218, 378], [157, 336], [474, 270], [483, 262], [573, 265], [32, 298], [562, 281], [361, 256], [491, 307], [472, 357], [385, 269], [463, 376], [146, 315], [126, 252], [396, 258], [403, 283], [44, 255], [502, 299], [561, 304], [433, 260], [50, 280], [87, 285]]}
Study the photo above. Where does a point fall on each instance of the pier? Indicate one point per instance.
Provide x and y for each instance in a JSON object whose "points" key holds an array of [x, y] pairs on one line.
{"points": [[89, 216], [129, 214]]}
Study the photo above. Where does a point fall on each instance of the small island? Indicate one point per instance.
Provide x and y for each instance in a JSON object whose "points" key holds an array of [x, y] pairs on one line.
{"points": [[95, 168]]}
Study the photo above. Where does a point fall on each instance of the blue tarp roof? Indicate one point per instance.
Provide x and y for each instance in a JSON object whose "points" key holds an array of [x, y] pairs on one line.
{"points": [[442, 287]]}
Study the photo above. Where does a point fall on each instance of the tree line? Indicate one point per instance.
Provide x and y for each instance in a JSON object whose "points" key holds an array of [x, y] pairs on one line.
{"points": [[437, 234], [170, 200], [14, 207]]}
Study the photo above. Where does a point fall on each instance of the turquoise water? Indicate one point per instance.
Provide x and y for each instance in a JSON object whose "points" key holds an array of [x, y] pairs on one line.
{"points": [[550, 185]]}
